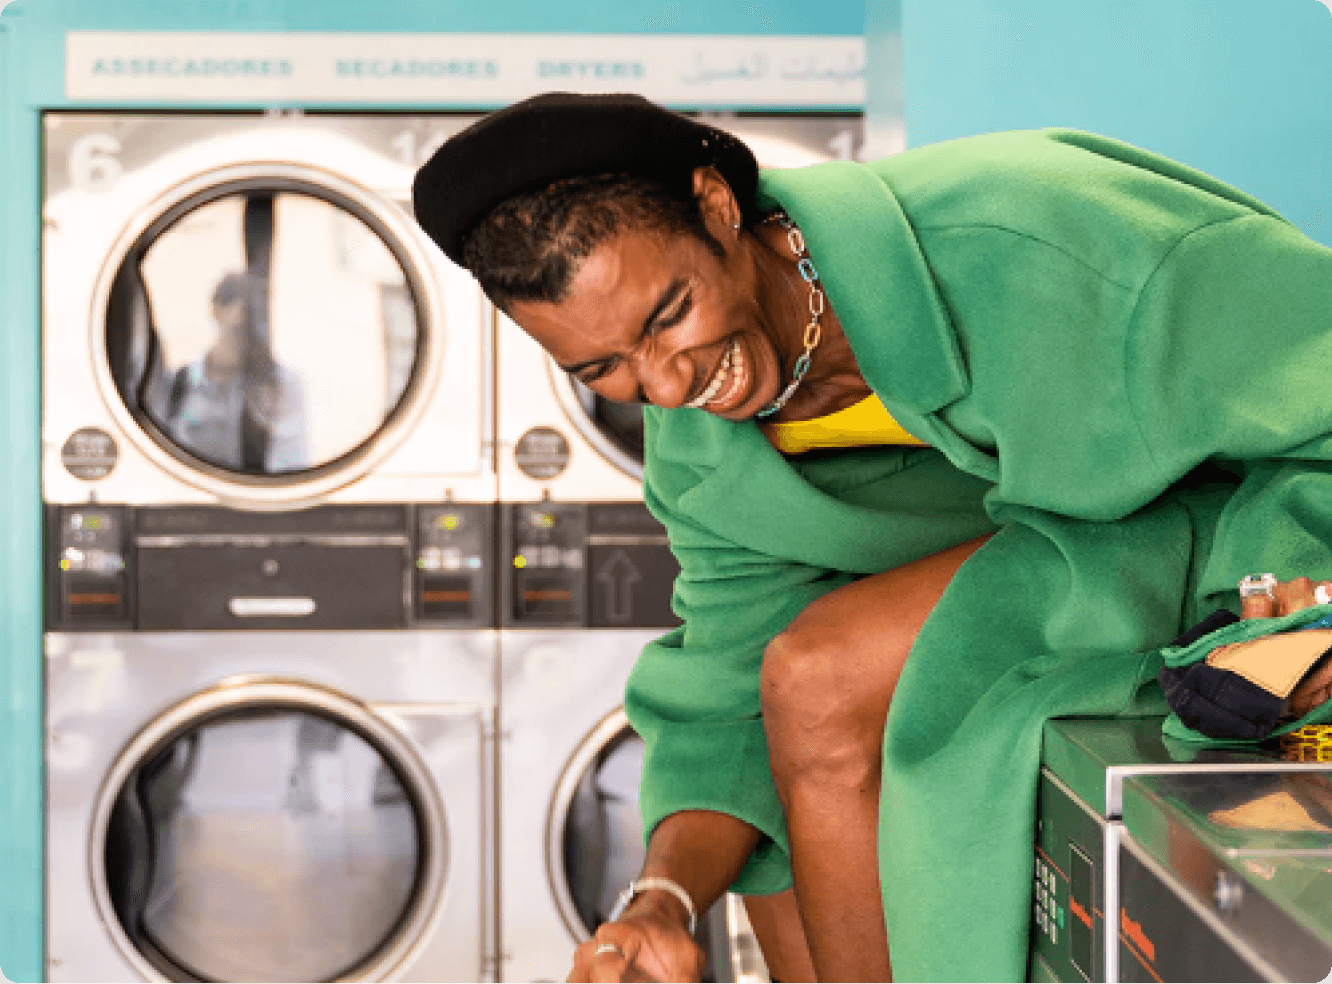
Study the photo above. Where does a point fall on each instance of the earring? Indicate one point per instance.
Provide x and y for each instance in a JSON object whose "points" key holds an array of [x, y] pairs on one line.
{"points": [[735, 226]]}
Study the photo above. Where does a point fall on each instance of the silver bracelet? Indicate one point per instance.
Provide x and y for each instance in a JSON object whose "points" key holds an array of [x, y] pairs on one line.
{"points": [[636, 888]]}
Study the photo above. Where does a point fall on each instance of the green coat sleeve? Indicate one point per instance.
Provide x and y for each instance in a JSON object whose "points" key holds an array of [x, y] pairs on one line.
{"points": [[694, 694], [1227, 353]]}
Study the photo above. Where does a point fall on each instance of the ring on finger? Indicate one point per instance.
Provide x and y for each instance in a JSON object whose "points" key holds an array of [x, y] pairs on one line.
{"points": [[1253, 585], [607, 948]]}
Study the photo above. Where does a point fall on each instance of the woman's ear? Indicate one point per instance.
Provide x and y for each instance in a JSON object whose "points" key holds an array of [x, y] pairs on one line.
{"points": [[716, 203]]}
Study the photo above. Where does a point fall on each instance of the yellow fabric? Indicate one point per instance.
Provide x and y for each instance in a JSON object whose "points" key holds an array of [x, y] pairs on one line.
{"points": [[862, 424]]}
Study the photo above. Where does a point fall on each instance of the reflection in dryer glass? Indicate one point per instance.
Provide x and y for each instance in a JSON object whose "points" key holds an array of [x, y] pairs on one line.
{"points": [[603, 848], [263, 332], [267, 845]]}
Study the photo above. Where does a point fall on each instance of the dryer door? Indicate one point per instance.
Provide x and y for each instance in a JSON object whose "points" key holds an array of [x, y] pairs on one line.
{"points": [[264, 329], [273, 832]]}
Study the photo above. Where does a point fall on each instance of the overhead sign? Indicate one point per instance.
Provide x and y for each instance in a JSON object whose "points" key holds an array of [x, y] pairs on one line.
{"points": [[184, 67]]}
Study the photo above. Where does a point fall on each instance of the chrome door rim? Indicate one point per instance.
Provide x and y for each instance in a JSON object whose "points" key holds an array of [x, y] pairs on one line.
{"points": [[303, 488], [256, 692], [610, 727]]}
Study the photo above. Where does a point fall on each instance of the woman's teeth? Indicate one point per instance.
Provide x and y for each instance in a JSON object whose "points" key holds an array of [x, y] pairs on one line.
{"points": [[732, 360], [714, 387], [738, 367]]}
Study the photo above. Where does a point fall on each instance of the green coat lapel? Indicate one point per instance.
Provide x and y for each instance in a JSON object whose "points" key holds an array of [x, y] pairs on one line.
{"points": [[875, 275]]}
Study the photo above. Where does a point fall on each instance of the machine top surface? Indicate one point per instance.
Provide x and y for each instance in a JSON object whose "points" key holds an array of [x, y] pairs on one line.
{"points": [[1251, 814], [1092, 756]]}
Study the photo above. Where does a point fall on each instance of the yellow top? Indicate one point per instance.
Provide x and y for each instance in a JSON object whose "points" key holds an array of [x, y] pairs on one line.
{"points": [[862, 424]]}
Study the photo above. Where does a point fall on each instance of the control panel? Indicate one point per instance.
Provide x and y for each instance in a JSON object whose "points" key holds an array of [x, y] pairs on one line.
{"points": [[179, 568], [175, 568], [1068, 925], [454, 582], [599, 565], [90, 570]]}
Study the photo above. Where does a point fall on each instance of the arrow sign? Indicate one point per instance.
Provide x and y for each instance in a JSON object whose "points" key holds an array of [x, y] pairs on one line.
{"points": [[619, 575]]}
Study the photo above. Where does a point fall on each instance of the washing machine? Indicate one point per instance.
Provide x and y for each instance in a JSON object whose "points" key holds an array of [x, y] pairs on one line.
{"points": [[270, 525], [1159, 860], [586, 576], [270, 806]]}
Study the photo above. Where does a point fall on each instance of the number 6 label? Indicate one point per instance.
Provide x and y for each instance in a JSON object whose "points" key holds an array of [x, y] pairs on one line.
{"points": [[92, 162]]}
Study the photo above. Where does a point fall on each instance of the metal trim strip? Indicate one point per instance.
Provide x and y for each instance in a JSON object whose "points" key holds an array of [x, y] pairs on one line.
{"points": [[262, 540], [1116, 774]]}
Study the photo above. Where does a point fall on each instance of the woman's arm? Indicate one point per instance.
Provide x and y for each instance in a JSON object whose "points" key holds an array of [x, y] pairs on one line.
{"points": [[702, 852]]}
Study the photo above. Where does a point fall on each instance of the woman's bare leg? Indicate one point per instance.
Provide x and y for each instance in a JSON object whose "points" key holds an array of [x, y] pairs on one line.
{"points": [[826, 684], [780, 935]]}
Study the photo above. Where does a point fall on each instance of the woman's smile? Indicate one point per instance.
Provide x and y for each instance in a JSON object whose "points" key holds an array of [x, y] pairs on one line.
{"points": [[718, 379], [729, 385]]}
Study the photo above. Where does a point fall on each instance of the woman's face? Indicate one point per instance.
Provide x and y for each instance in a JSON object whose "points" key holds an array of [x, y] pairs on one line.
{"points": [[662, 318], [231, 317]]}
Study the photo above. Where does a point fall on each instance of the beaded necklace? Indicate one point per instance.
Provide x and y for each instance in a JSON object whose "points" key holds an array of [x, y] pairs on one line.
{"points": [[813, 330]]}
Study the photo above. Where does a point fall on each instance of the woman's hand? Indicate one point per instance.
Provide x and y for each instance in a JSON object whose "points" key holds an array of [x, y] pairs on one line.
{"points": [[650, 942], [702, 852], [1292, 596]]}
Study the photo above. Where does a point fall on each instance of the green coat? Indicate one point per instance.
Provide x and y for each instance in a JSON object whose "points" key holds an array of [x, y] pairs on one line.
{"points": [[1125, 366]]}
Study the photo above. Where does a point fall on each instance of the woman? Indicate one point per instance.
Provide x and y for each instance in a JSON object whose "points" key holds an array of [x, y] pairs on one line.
{"points": [[235, 406], [856, 375]]}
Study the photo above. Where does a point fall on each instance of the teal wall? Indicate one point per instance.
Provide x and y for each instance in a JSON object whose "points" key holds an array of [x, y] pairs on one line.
{"points": [[20, 540], [31, 78], [1239, 88], [498, 16]]}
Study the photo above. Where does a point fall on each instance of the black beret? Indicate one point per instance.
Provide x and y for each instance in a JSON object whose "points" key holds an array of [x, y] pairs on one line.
{"points": [[531, 144]]}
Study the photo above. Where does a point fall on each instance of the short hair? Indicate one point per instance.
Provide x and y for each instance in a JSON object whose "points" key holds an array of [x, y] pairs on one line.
{"points": [[530, 246]]}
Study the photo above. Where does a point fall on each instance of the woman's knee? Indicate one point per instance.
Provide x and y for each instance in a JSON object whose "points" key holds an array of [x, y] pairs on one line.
{"points": [[823, 720], [800, 677]]}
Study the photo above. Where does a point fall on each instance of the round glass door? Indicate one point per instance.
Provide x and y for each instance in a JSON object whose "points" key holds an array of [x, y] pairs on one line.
{"points": [[263, 844], [264, 329], [597, 840]]}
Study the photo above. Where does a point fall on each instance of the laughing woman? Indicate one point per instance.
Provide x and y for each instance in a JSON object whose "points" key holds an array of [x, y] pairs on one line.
{"points": [[946, 445]]}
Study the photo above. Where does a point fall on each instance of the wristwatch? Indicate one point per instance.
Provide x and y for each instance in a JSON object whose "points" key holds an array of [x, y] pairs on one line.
{"points": [[641, 885]]}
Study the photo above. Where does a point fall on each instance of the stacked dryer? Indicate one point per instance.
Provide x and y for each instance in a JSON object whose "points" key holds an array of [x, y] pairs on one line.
{"points": [[586, 577], [270, 510]]}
